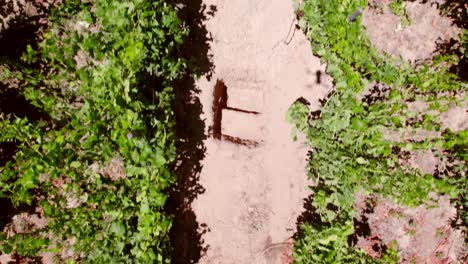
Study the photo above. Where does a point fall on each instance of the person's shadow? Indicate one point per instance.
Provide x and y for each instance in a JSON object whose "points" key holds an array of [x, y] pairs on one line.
{"points": [[187, 233], [220, 103]]}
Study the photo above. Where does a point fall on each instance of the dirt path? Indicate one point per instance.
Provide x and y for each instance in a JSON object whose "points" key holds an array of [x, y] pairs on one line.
{"points": [[254, 194]]}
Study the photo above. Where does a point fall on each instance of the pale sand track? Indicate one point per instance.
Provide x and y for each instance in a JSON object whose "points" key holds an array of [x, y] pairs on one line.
{"points": [[253, 195]]}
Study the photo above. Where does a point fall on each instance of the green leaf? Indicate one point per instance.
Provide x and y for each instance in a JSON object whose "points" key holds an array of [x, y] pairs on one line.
{"points": [[75, 164], [328, 240], [117, 228], [361, 160]]}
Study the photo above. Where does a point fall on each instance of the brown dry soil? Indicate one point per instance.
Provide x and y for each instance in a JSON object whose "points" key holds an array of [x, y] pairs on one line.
{"points": [[254, 174], [415, 42]]}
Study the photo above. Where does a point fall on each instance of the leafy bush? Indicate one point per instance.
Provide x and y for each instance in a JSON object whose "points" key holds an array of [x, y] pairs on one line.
{"points": [[349, 150], [99, 167]]}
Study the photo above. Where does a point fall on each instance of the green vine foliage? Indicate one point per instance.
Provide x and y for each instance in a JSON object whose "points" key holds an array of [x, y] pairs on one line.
{"points": [[398, 8], [349, 150], [100, 167]]}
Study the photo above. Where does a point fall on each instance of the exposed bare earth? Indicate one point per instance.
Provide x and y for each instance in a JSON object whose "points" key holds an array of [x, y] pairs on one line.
{"points": [[255, 193], [417, 41], [423, 234]]}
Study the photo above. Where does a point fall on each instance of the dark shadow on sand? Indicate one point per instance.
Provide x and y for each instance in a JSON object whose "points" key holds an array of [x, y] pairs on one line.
{"points": [[187, 233]]}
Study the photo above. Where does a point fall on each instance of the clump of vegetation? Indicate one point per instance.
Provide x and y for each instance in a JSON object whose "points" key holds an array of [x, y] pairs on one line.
{"points": [[398, 8], [350, 150], [99, 164]]}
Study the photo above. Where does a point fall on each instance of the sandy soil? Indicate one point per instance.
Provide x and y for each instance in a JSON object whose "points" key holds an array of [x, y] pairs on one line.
{"points": [[254, 193], [423, 234], [419, 40]]}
